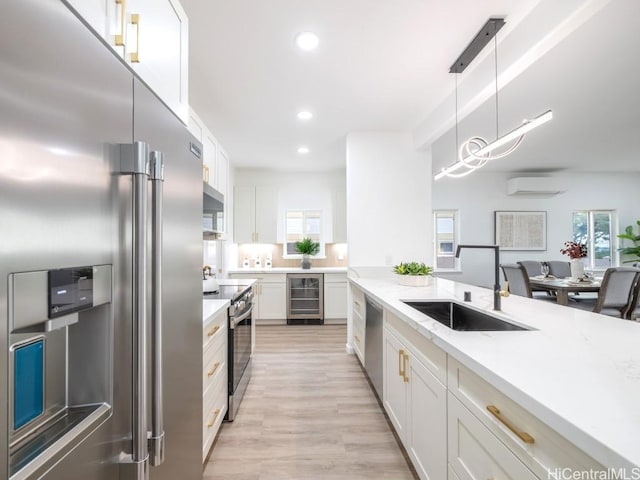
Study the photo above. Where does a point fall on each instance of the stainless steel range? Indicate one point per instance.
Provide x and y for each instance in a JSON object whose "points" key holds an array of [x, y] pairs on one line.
{"points": [[239, 350]]}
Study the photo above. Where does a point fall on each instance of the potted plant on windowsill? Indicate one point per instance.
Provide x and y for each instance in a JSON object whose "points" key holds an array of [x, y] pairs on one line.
{"points": [[307, 247], [413, 274], [635, 250]]}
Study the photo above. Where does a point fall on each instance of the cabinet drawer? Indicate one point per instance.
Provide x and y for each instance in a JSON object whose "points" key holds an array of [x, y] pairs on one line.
{"points": [[357, 299], [548, 450], [211, 421], [335, 278], [358, 336], [475, 453], [433, 358], [215, 363], [215, 331]]}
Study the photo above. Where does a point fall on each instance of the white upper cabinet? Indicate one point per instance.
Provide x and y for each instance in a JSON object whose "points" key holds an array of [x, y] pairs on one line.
{"points": [[339, 215], [152, 38], [157, 49], [255, 214]]}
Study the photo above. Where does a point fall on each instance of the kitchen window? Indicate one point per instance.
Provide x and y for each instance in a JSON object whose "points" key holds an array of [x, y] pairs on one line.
{"points": [[445, 239], [595, 229], [301, 224]]}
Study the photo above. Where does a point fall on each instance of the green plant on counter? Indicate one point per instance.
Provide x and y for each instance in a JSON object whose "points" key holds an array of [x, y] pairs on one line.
{"points": [[629, 235], [307, 247], [413, 268]]}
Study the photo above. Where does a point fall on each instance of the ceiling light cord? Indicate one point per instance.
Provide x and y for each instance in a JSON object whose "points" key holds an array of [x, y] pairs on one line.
{"points": [[495, 55]]}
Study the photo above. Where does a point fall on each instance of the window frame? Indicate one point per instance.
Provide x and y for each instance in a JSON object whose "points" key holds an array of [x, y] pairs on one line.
{"points": [[320, 215], [456, 240], [590, 263]]}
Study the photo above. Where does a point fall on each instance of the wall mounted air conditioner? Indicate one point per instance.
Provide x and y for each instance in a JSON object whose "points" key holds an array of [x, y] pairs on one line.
{"points": [[536, 186]]}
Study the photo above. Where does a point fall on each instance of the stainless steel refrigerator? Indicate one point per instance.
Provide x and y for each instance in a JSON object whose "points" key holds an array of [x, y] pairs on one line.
{"points": [[100, 258]]}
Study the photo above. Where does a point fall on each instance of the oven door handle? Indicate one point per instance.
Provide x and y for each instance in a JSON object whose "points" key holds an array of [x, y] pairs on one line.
{"points": [[236, 320]]}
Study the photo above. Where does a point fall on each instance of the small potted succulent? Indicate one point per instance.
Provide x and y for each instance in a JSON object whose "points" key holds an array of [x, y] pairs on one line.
{"points": [[413, 274], [307, 247]]}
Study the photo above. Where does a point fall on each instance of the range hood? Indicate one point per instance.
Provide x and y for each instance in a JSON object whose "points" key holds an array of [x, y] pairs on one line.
{"points": [[212, 212]]}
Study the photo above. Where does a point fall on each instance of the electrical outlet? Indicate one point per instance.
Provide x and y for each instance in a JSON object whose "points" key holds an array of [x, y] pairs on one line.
{"points": [[388, 259]]}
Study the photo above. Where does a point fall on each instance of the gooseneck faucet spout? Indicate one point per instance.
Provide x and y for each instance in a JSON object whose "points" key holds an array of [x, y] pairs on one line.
{"points": [[496, 283]]}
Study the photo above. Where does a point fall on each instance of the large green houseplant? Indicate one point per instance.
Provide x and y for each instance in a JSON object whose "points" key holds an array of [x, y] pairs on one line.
{"points": [[307, 247], [629, 235]]}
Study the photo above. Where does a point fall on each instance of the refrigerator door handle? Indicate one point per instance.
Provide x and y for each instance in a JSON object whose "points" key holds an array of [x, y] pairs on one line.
{"points": [[134, 162], [156, 435]]}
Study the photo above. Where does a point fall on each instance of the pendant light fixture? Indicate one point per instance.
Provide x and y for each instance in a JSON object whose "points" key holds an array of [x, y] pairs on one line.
{"points": [[476, 152]]}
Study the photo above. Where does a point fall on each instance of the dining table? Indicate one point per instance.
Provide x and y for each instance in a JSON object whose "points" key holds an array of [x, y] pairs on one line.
{"points": [[561, 287]]}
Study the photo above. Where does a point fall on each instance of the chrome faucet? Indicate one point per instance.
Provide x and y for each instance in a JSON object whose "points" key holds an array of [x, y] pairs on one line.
{"points": [[496, 283]]}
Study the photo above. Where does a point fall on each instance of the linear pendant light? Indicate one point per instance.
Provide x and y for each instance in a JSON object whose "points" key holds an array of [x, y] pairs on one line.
{"points": [[476, 152], [520, 131]]}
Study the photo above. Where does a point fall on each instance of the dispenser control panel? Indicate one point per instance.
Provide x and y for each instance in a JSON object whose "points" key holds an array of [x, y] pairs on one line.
{"points": [[70, 290]]}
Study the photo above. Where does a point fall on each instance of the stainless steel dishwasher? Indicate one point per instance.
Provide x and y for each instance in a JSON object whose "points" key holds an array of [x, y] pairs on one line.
{"points": [[373, 344]]}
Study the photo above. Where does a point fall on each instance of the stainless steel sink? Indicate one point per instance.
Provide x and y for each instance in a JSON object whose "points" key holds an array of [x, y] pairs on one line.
{"points": [[461, 318]]}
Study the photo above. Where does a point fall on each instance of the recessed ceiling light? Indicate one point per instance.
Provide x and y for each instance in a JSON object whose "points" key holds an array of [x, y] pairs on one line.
{"points": [[307, 40], [304, 115], [303, 150]]}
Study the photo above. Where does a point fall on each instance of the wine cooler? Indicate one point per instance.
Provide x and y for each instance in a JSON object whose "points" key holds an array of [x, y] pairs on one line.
{"points": [[305, 301]]}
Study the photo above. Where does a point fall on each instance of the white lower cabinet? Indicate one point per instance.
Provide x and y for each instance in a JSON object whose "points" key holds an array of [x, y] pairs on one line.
{"points": [[357, 310], [416, 402], [475, 453], [335, 296], [214, 378], [269, 295]]}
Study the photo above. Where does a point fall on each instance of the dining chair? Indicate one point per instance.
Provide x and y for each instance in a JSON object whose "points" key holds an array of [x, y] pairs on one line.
{"points": [[616, 291], [559, 268], [518, 279], [633, 313], [534, 268]]}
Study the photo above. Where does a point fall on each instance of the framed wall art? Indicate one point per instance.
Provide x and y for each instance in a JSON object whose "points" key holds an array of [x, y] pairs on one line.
{"points": [[521, 230]]}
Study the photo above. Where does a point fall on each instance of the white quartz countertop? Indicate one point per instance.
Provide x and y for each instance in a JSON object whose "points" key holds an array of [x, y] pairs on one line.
{"points": [[577, 371], [235, 282], [210, 308], [290, 270]]}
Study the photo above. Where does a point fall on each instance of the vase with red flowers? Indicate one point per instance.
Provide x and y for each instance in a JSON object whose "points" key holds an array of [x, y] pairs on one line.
{"points": [[576, 252]]}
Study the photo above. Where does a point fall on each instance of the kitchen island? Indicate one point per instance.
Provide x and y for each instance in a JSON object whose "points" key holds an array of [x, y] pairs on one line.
{"points": [[575, 371]]}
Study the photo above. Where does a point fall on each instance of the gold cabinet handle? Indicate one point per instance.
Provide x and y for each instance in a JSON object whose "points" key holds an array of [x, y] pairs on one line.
{"points": [[213, 331], [119, 38], [216, 412], [205, 173], [405, 375], [524, 436], [400, 362], [213, 370], [135, 21]]}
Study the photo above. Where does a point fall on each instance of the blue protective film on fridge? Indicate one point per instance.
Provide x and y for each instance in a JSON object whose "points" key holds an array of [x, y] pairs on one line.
{"points": [[28, 381]]}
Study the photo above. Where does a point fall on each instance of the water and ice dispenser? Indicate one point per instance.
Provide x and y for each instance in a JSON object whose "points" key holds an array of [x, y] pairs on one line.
{"points": [[60, 389]]}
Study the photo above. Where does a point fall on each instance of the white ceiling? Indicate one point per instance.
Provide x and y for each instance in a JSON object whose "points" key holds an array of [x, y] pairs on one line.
{"points": [[381, 65], [590, 79]]}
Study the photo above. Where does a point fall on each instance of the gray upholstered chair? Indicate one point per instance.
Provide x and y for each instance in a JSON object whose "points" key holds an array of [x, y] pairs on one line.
{"points": [[559, 268], [533, 267], [518, 279], [633, 312], [616, 291]]}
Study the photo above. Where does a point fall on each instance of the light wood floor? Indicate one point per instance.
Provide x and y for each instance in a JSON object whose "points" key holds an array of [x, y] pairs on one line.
{"points": [[308, 413]]}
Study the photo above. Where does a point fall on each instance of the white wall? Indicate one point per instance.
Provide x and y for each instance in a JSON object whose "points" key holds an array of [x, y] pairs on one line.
{"points": [[478, 195], [388, 200]]}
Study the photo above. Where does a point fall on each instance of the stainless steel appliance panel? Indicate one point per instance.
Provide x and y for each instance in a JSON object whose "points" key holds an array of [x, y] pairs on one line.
{"points": [[373, 344], [181, 277], [305, 297], [65, 98]]}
